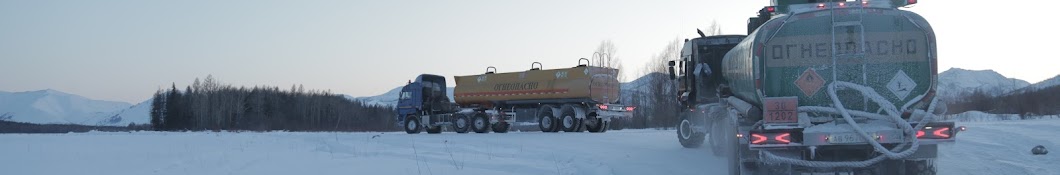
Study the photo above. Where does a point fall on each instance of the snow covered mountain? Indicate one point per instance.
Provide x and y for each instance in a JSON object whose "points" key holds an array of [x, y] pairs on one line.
{"points": [[956, 83], [51, 106], [639, 87], [1055, 81], [138, 114], [390, 98]]}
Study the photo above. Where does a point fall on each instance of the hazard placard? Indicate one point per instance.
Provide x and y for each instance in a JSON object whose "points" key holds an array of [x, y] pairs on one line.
{"points": [[809, 82], [901, 85], [781, 109]]}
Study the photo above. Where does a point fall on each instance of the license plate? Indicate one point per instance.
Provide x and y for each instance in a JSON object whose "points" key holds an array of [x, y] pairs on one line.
{"points": [[781, 110], [846, 138]]}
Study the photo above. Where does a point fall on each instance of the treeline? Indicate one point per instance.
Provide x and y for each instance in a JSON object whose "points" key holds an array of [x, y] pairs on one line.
{"points": [[19, 127], [210, 105], [1027, 103]]}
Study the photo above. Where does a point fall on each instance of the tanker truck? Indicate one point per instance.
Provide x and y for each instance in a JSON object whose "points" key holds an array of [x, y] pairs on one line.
{"points": [[576, 99], [830, 86]]}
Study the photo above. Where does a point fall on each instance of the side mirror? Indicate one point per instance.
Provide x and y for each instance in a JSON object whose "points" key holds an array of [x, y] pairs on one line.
{"points": [[671, 68]]}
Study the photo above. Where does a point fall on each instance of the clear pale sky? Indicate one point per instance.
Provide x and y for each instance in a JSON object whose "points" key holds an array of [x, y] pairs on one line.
{"points": [[124, 50]]}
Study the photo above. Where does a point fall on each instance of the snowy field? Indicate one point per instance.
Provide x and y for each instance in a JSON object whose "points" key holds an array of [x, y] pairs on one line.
{"points": [[998, 147]]}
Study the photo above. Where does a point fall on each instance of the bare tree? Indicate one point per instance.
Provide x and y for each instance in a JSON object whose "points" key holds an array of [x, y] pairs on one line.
{"points": [[712, 29], [606, 55], [658, 102]]}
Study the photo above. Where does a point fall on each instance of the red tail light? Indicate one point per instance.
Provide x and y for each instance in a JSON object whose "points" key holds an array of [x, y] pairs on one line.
{"points": [[911, 1], [771, 9], [820, 6], [944, 133], [772, 138], [936, 133], [630, 108], [783, 138], [758, 139], [604, 107]]}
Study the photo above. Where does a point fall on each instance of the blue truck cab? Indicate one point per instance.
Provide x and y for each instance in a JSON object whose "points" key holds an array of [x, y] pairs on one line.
{"points": [[422, 95], [424, 105]]}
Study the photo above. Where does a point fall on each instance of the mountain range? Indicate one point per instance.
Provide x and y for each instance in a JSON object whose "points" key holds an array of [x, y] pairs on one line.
{"points": [[54, 107], [956, 83]]}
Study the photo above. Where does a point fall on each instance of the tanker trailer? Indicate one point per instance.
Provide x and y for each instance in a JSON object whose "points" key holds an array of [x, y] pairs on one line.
{"points": [[825, 86], [576, 99]]}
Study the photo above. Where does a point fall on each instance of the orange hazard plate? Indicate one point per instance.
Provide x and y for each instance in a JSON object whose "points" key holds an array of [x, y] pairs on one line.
{"points": [[781, 109]]}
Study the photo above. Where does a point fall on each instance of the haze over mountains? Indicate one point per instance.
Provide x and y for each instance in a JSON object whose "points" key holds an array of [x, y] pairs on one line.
{"points": [[55, 107]]}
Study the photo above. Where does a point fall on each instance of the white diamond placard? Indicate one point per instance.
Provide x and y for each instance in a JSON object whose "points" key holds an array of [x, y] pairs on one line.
{"points": [[901, 85]]}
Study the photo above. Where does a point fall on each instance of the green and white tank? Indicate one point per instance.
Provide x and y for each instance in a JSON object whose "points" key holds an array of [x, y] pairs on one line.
{"points": [[799, 52]]}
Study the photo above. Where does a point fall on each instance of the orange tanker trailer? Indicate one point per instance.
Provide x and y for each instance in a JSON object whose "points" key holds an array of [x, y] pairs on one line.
{"points": [[573, 99]]}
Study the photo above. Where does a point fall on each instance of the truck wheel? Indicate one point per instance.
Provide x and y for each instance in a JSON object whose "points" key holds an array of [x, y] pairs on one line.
{"points": [[568, 119], [717, 129], [618, 124], [607, 126], [546, 119], [479, 123], [461, 123], [501, 127], [595, 124], [434, 130], [412, 125], [731, 145], [717, 139], [686, 133]]}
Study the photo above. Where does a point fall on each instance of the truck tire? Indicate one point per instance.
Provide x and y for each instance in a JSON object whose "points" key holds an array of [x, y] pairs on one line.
{"points": [[412, 125], [717, 139], [607, 126], [546, 119], [479, 123], [461, 123], [686, 133], [731, 145], [434, 130], [717, 129], [619, 124], [594, 124], [501, 127], [569, 121]]}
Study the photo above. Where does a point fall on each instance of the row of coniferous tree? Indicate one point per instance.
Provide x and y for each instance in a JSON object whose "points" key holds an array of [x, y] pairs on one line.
{"points": [[210, 105]]}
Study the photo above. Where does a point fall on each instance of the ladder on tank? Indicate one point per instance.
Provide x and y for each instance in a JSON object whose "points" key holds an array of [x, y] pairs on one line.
{"points": [[855, 31]]}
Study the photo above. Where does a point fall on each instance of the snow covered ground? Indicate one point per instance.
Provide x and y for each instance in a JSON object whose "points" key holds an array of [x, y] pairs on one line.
{"points": [[618, 152], [996, 147], [1003, 147]]}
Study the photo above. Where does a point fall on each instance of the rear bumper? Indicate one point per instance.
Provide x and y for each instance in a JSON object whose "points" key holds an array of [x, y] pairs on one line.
{"points": [[607, 115]]}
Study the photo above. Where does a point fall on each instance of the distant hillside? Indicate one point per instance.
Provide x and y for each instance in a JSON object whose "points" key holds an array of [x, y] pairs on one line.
{"points": [[1041, 85], [55, 107], [1029, 102], [957, 83], [138, 114], [390, 98]]}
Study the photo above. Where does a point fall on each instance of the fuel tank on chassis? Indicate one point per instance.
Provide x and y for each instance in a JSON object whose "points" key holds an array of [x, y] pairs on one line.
{"points": [[598, 84], [799, 55]]}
